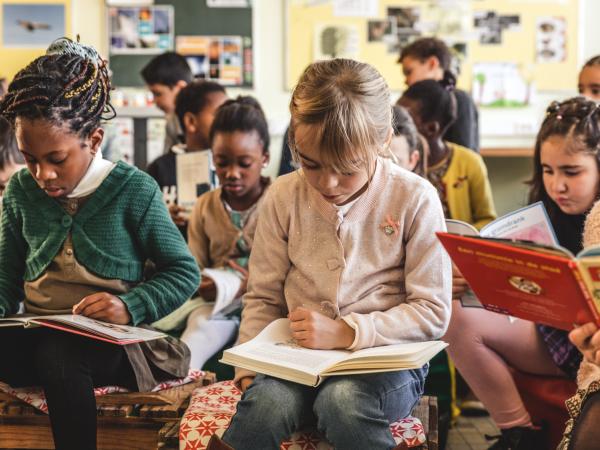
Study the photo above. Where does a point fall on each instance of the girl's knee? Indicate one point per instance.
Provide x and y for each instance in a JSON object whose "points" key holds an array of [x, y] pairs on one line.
{"points": [[273, 398], [57, 357]]}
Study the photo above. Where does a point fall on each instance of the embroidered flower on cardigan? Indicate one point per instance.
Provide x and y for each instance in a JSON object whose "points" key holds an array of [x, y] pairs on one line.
{"points": [[390, 226]]}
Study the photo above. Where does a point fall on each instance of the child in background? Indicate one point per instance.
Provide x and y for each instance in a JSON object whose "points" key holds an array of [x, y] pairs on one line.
{"points": [[195, 108], [430, 59], [407, 146], [11, 159], [460, 177], [345, 248], [589, 79], [484, 345], [165, 75], [75, 233], [222, 225]]}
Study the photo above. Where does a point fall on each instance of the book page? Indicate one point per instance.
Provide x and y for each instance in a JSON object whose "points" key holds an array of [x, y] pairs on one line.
{"points": [[459, 227], [100, 328], [16, 320], [275, 346], [194, 176], [530, 223]]}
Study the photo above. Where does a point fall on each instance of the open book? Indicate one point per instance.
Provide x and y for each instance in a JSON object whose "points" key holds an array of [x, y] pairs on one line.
{"points": [[274, 352], [537, 282], [84, 326], [530, 223]]}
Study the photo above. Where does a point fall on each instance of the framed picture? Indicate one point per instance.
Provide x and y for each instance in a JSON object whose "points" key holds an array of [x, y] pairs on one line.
{"points": [[140, 29]]}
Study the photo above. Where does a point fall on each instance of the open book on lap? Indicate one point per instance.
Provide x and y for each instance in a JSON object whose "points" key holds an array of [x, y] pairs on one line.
{"points": [[274, 352], [84, 326]]}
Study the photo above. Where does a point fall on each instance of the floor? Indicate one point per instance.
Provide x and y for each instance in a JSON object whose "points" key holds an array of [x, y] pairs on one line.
{"points": [[469, 434]]}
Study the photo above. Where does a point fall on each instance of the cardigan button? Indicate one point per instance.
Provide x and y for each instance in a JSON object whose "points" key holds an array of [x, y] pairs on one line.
{"points": [[66, 221]]}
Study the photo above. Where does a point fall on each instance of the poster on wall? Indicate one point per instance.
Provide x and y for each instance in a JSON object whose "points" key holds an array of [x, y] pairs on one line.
{"points": [[550, 40], [117, 144], [32, 25], [224, 59], [501, 85], [140, 30], [335, 41]]}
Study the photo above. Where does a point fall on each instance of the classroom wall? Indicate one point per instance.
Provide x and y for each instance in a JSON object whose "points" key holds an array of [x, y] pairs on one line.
{"points": [[506, 174]]}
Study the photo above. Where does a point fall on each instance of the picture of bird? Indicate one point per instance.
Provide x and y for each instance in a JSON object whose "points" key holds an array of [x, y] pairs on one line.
{"points": [[32, 26]]}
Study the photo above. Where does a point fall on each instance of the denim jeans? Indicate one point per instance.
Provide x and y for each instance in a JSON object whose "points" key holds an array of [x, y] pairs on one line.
{"points": [[68, 367], [352, 412]]}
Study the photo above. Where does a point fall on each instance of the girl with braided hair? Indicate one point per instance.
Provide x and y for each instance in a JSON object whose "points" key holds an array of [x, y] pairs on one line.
{"points": [[75, 233], [485, 345]]}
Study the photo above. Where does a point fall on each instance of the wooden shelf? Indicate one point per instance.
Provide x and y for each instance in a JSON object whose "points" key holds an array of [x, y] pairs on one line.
{"points": [[511, 152]]}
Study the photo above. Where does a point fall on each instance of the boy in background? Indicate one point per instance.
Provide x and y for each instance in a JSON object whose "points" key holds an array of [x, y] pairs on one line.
{"points": [[165, 75], [195, 108]]}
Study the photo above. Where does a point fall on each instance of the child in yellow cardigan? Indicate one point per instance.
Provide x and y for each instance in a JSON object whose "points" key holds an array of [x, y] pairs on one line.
{"points": [[459, 174]]}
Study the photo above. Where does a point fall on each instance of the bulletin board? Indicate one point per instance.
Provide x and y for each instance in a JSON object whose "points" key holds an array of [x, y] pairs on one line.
{"points": [[193, 20], [540, 37], [37, 26]]}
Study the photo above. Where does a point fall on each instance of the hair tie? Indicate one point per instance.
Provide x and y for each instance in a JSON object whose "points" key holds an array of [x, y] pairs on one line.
{"points": [[64, 45]]}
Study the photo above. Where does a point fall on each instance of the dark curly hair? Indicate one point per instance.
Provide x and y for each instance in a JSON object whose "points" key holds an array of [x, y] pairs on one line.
{"points": [[436, 99], [194, 98], [68, 86], [241, 114], [576, 118]]}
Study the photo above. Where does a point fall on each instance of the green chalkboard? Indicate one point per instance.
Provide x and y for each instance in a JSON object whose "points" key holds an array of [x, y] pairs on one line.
{"points": [[192, 18]]}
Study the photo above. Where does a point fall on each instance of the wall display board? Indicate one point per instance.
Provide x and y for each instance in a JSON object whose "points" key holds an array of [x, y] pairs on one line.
{"points": [[215, 37], [537, 37], [27, 28]]}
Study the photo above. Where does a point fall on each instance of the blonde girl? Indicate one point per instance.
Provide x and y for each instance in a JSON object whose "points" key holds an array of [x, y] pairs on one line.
{"points": [[345, 248]]}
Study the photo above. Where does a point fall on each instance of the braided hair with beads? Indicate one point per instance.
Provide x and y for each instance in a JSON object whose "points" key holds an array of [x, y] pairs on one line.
{"points": [[577, 119], [68, 86]]}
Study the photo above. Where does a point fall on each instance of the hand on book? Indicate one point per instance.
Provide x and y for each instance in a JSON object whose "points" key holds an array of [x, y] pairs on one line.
{"points": [[179, 215], [245, 382], [207, 289], [459, 284], [103, 306], [587, 339], [311, 329]]}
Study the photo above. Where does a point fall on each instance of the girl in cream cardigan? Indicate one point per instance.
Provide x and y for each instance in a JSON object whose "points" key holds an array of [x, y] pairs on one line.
{"points": [[346, 249]]}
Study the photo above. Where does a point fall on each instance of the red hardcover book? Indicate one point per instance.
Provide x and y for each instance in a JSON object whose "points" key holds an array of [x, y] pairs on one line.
{"points": [[539, 283]]}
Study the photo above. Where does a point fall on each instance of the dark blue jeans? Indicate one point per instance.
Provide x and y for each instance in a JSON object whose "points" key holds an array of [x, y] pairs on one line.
{"points": [[68, 367], [352, 412]]}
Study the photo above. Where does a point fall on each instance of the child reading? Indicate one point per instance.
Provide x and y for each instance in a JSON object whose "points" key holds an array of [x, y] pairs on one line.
{"points": [[484, 345], [196, 105], [345, 249], [589, 79], [75, 233], [407, 148], [222, 225], [165, 75]]}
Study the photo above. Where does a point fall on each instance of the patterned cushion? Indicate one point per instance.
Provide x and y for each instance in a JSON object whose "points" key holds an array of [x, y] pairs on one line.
{"points": [[211, 408], [36, 398]]}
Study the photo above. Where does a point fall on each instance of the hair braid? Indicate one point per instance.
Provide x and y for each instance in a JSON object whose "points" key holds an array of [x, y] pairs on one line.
{"points": [[69, 86]]}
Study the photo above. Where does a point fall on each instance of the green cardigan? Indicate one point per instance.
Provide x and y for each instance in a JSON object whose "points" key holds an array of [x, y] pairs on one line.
{"points": [[123, 223]]}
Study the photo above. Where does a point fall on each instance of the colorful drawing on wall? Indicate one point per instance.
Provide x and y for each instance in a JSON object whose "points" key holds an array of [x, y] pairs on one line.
{"points": [[550, 40], [335, 41], [217, 58], [501, 85], [490, 26], [141, 30], [32, 25]]}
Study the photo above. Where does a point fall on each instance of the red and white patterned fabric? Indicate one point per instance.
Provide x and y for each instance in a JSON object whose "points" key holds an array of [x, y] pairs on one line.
{"points": [[35, 397], [212, 407]]}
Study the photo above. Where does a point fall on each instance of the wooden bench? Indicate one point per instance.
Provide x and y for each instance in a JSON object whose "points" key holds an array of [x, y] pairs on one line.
{"points": [[126, 421]]}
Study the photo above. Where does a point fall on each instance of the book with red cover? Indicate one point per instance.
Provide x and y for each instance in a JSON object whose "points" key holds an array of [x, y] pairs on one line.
{"points": [[539, 283]]}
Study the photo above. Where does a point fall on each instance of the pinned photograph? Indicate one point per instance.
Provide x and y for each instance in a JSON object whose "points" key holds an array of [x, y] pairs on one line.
{"points": [[550, 40], [335, 41], [32, 25], [141, 30]]}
